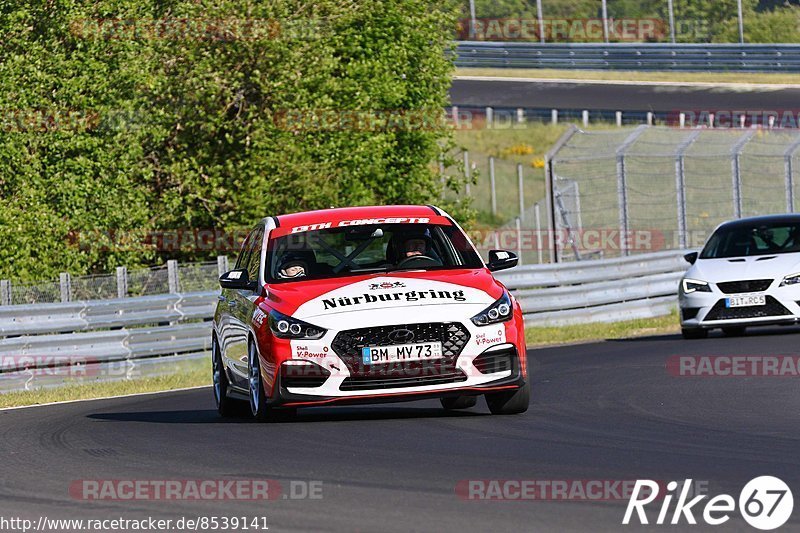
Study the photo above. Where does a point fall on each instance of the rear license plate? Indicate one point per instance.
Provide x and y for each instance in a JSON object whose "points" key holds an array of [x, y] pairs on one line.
{"points": [[423, 351], [746, 300]]}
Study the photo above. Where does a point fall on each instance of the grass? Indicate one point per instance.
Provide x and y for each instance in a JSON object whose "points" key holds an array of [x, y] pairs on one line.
{"points": [[615, 75], [196, 374], [549, 336]]}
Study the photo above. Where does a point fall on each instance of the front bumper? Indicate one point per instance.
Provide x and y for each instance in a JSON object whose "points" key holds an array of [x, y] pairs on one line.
{"points": [[707, 310]]}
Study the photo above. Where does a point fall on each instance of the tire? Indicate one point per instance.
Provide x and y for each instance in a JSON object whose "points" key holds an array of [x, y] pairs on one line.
{"points": [[226, 406], [459, 402], [258, 399], [694, 333], [510, 402], [733, 332]]}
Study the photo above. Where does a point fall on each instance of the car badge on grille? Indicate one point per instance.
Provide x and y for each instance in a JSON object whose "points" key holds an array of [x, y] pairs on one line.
{"points": [[401, 335]]}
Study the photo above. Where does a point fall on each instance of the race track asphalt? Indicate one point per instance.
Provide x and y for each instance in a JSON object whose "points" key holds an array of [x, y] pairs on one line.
{"points": [[601, 411], [630, 97]]}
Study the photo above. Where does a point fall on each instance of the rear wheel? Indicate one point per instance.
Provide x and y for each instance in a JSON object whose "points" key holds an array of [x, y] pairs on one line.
{"points": [[694, 333], [258, 400], [459, 402], [733, 332], [510, 402], [225, 405]]}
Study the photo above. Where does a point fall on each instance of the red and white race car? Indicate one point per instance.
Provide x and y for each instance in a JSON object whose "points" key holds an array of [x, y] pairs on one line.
{"points": [[362, 305]]}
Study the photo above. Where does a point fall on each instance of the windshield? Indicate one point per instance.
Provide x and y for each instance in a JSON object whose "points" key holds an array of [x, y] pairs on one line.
{"points": [[760, 239], [336, 252]]}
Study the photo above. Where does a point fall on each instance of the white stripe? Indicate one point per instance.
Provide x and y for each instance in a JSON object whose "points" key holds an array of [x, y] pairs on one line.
{"points": [[104, 398], [750, 86]]}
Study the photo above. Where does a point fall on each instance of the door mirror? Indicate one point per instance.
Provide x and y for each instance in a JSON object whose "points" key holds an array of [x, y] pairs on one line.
{"points": [[501, 260], [691, 257], [238, 280]]}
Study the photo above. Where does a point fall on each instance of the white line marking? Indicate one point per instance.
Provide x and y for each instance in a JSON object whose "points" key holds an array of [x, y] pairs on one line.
{"points": [[104, 398], [718, 85]]}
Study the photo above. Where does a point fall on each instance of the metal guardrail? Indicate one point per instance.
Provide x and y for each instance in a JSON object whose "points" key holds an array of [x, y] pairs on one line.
{"points": [[46, 345], [628, 56], [605, 290]]}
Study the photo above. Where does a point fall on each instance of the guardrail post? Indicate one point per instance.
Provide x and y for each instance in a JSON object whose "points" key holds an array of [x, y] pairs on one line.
{"points": [[521, 192], [172, 277], [5, 292], [682, 120], [493, 186], [122, 282], [222, 264], [736, 174], [789, 169], [554, 116], [619, 119], [650, 118], [585, 117], [66, 287]]}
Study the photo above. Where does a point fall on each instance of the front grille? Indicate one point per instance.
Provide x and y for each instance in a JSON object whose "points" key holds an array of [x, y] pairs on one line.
{"points": [[771, 308], [748, 285], [348, 344], [497, 361]]}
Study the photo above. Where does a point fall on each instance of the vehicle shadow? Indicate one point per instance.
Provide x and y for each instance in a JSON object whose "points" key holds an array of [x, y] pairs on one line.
{"points": [[309, 414]]}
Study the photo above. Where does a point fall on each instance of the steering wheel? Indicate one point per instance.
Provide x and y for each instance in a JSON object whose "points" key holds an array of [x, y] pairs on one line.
{"points": [[416, 258]]}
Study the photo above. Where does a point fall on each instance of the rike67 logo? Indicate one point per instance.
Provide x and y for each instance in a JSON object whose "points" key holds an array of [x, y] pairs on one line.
{"points": [[765, 503]]}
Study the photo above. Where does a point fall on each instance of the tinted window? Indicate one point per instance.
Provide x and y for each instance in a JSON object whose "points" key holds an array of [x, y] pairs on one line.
{"points": [[761, 239], [364, 249]]}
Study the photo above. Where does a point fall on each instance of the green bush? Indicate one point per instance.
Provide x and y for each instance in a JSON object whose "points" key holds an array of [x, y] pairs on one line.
{"points": [[112, 121]]}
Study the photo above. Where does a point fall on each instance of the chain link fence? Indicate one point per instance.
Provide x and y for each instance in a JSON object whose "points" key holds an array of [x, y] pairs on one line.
{"points": [[653, 188], [172, 277]]}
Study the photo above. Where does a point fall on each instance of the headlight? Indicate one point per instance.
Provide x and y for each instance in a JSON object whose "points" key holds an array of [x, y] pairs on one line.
{"points": [[790, 280], [286, 327], [500, 311], [691, 285]]}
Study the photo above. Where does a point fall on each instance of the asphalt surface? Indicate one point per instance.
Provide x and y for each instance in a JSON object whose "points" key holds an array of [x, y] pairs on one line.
{"points": [[663, 98], [603, 411]]}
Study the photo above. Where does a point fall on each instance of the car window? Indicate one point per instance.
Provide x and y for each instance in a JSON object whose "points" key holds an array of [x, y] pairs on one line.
{"points": [[254, 254], [243, 253], [346, 251], [760, 239]]}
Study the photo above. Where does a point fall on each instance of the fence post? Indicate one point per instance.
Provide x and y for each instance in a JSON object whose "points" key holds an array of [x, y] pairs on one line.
{"points": [[538, 231], [549, 185], [467, 173], [650, 118], [442, 180], [492, 184], [454, 113], [489, 117], [619, 119], [222, 264], [521, 192], [122, 282], [172, 276], [680, 185], [585, 114], [66, 287], [518, 225], [554, 116], [736, 174], [5, 292], [622, 188], [789, 168], [520, 115]]}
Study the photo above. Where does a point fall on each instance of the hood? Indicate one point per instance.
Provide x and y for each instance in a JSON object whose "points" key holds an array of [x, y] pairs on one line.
{"points": [[740, 268], [427, 291]]}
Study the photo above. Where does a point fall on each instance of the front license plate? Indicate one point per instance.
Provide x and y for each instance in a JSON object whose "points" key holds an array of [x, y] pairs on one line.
{"points": [[423, 351], [746, 300]]}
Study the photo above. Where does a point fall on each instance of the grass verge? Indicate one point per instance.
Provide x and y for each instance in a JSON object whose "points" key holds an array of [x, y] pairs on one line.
{"points": [[550, 336], [195, 375], [634, 76]]}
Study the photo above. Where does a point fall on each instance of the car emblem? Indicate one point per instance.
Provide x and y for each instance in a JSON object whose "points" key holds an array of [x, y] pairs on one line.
{"points": [[401, 335]]}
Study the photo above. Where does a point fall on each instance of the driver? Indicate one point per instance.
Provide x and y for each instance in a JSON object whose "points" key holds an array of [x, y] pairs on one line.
{"points": [[415, 246], [293, 266]]}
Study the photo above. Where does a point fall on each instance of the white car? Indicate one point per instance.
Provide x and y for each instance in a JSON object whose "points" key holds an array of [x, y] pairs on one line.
{"points": [[747, 274]]}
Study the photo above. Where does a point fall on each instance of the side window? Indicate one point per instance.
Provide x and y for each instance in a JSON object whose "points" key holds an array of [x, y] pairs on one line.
{"points": [[243, 253], [254, 253]]}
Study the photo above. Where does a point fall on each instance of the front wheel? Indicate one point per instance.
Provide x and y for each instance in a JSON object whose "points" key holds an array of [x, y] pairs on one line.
{"points": [[510, 402], [258, 400]]}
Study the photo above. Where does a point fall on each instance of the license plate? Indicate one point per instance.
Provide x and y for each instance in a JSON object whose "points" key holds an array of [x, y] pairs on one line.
{"points": [[423, 351], [746, 300]]}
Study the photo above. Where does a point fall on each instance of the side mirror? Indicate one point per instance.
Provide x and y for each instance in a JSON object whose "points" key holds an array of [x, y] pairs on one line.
{"points": [[691, 257], [501, 260], [238, 280]]}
